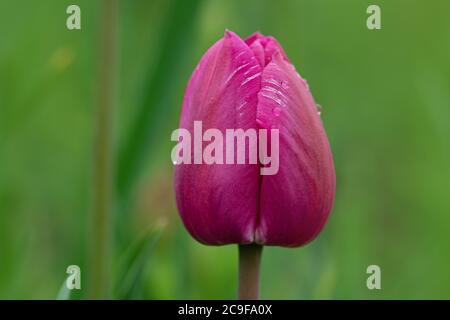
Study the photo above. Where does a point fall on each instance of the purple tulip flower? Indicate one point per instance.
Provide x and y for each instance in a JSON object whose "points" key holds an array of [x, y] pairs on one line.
{"points": [[250, 84]]}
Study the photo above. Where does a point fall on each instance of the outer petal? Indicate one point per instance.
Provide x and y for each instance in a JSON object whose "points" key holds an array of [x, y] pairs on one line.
{"points": [[294, 203], [218, 203]]}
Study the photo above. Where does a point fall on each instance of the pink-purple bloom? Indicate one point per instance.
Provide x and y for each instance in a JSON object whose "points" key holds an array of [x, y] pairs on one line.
{"points": [[250, 84]]}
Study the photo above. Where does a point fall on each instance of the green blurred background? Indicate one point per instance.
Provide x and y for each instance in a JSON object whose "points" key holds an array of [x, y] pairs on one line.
{"points": [[386, 108]]}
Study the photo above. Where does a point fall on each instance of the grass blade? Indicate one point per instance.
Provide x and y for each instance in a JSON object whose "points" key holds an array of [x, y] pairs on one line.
{"points": [[149, 123], [133, 266]]}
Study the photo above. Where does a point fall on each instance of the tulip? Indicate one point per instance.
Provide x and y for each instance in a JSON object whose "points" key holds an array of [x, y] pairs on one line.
{"points": [[251, 84]]}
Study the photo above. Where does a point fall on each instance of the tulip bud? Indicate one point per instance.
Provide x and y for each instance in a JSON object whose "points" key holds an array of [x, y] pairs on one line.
{"points": [[252, 85]]}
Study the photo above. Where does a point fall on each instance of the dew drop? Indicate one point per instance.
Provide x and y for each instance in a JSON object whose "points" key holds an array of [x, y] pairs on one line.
{"points": [[276, 111], [319, 109], [305, 83]]}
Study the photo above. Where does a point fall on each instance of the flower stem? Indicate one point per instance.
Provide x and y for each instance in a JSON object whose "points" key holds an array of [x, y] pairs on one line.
{"points": [[103, 179], [249, 265]]}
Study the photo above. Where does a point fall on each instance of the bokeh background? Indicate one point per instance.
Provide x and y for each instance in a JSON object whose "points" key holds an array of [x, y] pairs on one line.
{"points": [[386, 108]]}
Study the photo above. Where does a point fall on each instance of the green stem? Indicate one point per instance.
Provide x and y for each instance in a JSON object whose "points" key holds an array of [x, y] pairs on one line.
{"points": [[249, 265], [103, 179]]}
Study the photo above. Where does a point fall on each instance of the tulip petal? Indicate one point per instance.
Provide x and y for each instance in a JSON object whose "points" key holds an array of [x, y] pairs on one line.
{"points": [[258, 51], [254, 37], [218, 203], [269, 44], [294, 203]]}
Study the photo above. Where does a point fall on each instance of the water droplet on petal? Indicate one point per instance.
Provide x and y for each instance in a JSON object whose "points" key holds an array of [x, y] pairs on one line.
{"points": [[305, 83], [319, 109], [276, 111]]}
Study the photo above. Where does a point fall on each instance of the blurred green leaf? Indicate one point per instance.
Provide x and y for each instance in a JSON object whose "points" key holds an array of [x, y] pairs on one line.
{"points": [[149, 122], [64, 292], [130, 274]]}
